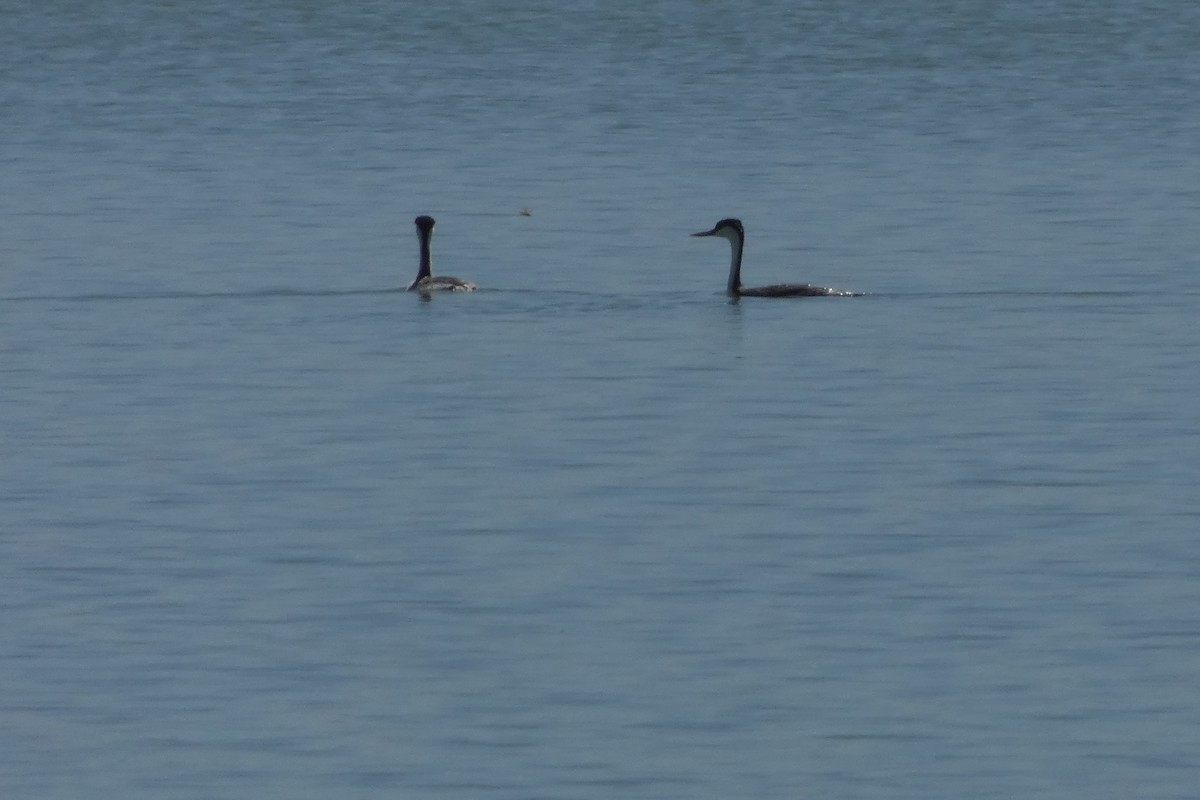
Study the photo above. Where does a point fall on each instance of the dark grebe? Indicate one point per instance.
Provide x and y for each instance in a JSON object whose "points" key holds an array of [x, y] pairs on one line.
{"points": [[425, 281]]}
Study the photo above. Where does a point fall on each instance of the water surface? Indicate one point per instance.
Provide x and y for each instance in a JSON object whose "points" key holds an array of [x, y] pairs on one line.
{"points": [[273, 527]]}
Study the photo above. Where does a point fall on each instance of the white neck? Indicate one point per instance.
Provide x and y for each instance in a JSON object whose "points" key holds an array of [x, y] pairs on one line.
{"points": [[735, 259]]}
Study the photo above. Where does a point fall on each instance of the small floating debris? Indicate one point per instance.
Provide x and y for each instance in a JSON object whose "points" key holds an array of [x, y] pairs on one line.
{"points": [[525, 212]]}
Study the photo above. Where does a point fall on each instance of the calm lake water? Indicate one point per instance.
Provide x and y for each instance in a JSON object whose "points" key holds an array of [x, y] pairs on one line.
{"points": [[271, 528]]}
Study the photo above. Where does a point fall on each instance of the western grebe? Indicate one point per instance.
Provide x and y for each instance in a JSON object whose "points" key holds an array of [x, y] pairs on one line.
{"points": [[425, 280], [732, 230]]}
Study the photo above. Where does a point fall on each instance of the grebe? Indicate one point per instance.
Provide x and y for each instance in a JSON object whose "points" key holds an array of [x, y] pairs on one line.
{"points": [[732, 230], [425, 280]]}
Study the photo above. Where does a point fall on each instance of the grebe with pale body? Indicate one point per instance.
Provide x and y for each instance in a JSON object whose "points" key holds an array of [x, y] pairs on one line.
{"points": [[731, 230], [426, 281]]}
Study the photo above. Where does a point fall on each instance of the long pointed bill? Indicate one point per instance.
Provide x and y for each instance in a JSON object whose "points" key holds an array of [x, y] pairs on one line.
{"points": [[713, 232]]}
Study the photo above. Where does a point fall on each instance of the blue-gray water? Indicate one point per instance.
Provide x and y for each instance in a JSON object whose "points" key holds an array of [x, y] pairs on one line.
{"points": [[270, 528]]}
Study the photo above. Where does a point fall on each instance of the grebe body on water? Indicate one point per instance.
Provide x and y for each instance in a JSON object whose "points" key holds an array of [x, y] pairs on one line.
{"points": [[426, 281], [731, 230]]}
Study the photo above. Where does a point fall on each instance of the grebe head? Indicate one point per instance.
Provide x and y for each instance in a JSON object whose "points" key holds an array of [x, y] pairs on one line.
{"points": [[730, 229], [425, 224]]}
